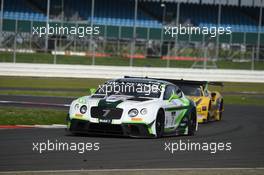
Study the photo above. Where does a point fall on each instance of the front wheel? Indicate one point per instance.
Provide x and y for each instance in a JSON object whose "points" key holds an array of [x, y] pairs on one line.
{"points": [[192, 122], [160, 124]]}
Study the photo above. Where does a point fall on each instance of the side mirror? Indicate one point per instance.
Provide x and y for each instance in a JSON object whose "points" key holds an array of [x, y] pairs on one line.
{"points": [[173, 97], [92, 91]]}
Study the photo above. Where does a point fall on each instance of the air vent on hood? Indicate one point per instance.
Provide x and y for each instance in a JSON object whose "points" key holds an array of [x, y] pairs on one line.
{"points": [[139, 99]]}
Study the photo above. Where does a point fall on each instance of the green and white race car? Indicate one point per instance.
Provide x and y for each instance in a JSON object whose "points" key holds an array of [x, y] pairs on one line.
{"points": [[136, 107]]}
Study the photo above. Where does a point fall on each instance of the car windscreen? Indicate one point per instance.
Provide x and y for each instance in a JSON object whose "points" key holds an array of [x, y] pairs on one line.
{"points": [[137, 89], [191, 90]]}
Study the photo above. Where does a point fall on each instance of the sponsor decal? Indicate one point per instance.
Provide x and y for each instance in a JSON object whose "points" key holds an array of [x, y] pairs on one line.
{"points": [[136, 119], [78, 116], [108, 121]]}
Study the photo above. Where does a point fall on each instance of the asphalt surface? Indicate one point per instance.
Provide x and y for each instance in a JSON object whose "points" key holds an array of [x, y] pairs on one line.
{"points": [[35, 101], [242, 126]]}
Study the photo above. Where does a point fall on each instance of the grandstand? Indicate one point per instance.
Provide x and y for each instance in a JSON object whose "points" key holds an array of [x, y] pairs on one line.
{"points": [[117, 21], [121, 13]]}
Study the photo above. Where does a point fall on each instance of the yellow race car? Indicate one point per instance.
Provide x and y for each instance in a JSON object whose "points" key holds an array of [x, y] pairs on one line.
{"points": [[209, 104]]}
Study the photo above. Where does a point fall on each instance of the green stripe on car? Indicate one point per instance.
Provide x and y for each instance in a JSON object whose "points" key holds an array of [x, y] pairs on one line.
{"points": [[176, 108], [106, 104], [180, 117]]}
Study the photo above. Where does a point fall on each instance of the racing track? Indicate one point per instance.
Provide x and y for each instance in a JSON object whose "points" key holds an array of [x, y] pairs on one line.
{"points": [[242, 126]]}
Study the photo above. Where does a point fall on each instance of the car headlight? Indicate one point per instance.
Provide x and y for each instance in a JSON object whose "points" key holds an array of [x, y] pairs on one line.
{"points": [[83, 109], [133, 113], [143, 111], [76, 107]]}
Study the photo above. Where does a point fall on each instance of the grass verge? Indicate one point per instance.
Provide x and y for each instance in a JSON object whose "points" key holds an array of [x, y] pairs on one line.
{"points": [[42, 82], [26, 116], [244, 100], [117, 61], [45, 93]]}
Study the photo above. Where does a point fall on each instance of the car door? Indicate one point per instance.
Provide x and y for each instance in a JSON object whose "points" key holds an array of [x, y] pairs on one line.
{"points": [[173, 107]]}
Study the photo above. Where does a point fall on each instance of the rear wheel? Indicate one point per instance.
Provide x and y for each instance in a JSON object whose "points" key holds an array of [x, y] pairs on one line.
{"points": [[192, 123], [220, 110], [160, 124], [208, 114], [207, 118]]}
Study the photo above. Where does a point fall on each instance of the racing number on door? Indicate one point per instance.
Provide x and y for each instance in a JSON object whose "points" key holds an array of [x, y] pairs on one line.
{"points": [[173, 104], [175, 114]]}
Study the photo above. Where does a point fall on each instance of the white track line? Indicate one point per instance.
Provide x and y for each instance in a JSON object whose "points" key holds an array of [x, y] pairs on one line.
{"points": [[50, 126], [45, 126], [34, 103], [53, 126]]}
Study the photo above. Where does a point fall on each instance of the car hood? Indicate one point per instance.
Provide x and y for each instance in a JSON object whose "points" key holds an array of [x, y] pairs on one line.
{"points": [[122, 101], [195, 98]]}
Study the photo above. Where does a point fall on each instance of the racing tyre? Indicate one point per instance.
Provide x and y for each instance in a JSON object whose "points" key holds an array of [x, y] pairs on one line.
{"points": [[220, 110], [207, 119], [67, 130], [208, 114], [160, 124], [192, 123]]}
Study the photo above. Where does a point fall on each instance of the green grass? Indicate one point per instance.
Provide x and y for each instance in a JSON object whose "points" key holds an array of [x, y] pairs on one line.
{"points": [[37, 82], [26, 57], [250, 93], [150, 62], [242, 65], [24, 116], [45, 93], [244, 100], [240, 87]]}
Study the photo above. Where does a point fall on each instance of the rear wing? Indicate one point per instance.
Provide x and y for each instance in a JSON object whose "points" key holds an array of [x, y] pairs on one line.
{"points": [[186, 82], [204, 84]]}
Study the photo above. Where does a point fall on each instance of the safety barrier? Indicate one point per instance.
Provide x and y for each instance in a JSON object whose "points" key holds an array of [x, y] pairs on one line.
{"points": [[108, 72]]}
